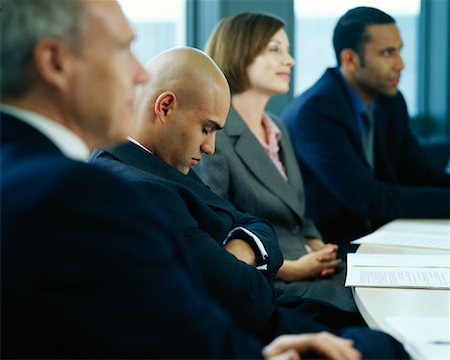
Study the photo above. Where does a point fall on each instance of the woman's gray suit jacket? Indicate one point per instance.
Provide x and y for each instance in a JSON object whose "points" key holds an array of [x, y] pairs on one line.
{"points": [[242, 172]]}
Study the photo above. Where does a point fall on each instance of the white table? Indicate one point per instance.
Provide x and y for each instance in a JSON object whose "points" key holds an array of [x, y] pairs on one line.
{"points": [[375, 304]]}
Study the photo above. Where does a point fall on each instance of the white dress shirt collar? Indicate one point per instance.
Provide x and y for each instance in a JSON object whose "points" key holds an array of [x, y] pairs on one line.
{"points": [[138, 144], [65, 140]]}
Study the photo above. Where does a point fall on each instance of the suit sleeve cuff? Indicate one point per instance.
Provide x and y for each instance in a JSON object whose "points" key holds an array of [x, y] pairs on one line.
{"points": [[255, 242]]}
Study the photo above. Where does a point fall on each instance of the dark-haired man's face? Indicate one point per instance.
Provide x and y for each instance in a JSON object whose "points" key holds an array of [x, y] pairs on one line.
{"points": [[379, 72]]}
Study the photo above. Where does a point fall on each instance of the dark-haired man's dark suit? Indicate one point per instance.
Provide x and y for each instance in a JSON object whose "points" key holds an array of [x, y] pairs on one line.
{"points": [[89, 269], [245, 292], [345, 197]]}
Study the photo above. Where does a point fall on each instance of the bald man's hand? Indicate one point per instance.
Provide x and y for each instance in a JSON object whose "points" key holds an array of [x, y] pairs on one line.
{"points": [[324, 344], [242, 250]]}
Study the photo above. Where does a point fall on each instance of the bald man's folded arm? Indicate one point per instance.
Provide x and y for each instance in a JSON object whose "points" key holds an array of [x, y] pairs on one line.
{"points": [[242, 289]]}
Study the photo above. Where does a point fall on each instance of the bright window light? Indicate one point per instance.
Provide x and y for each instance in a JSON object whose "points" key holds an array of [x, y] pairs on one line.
{"points": [[159, 25]]}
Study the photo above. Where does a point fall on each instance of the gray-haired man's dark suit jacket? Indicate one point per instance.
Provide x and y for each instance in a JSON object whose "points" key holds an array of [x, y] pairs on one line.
{"points": [[89, 270]]}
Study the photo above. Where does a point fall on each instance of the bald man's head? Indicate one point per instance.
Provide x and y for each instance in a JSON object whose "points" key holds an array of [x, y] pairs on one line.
{"points": [[186, 71], [182, 106]]}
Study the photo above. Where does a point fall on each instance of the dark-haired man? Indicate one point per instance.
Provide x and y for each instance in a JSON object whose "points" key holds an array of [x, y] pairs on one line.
{"points": [[362, 165]]}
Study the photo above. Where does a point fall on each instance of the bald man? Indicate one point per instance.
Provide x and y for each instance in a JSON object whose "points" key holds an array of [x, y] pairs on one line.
{"points": [[178, 113]]}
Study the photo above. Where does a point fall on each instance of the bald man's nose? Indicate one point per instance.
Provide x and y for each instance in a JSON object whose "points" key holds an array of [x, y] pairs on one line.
{"points": [[209, 146]]}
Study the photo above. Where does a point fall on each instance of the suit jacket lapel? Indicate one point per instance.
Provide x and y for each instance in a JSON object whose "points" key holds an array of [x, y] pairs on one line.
{"points": [[295, 181], [133, 155], [381, 126], [253, 155], [347, 114]]}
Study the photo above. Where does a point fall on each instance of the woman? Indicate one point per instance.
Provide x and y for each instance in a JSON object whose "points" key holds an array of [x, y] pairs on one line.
{"points": [[254, 165]]}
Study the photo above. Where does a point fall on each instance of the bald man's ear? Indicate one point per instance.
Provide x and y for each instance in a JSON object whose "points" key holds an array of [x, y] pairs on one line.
{"points": [[53, 62], [350, 61], [165, 105]]}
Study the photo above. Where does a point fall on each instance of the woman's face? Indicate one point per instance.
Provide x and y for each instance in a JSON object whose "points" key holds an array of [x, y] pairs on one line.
{"points": [[270, 71]]}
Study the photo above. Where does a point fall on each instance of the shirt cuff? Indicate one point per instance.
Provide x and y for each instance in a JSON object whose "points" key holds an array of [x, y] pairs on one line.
{"points": [[255, 242]]}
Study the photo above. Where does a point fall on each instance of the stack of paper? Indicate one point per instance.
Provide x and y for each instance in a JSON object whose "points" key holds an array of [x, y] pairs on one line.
{"points": [[399, 271], [407, 233], [425, 267]]}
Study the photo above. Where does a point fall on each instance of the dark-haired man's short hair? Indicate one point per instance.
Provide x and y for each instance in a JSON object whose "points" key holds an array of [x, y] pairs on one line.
{"points": [[351, 29]]}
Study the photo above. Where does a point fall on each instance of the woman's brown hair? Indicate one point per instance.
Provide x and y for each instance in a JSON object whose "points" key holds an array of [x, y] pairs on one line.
{"points": [[237, 40]]}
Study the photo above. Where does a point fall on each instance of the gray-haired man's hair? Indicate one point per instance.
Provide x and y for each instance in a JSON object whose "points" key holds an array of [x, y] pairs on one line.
{"points": [[23, 24]]}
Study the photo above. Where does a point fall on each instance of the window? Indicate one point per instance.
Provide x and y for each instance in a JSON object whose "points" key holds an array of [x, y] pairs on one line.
{"points": [[159, 25], [315, 21]]}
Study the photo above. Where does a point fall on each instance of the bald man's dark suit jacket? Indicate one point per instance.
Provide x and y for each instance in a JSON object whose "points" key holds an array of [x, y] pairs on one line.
{"points": [[245, 292], [207, 218], [345, 197], [89, 267]]}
